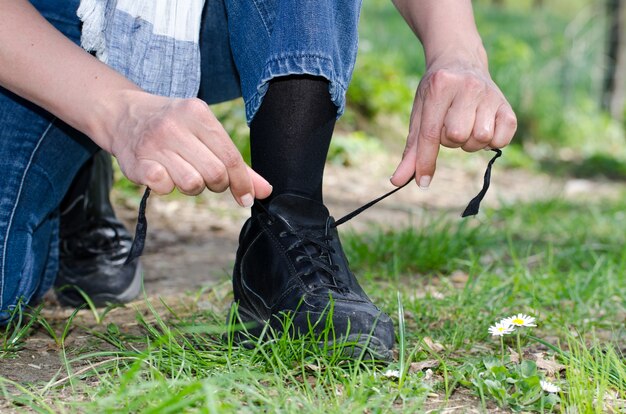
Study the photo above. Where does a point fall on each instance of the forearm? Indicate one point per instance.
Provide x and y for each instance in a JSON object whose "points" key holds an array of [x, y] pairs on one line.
{"points": [[445, 27], [40, 64]]}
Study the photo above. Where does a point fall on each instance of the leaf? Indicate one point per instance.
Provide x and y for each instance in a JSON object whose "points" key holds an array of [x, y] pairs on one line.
{"points": [[513, 356], [528, 368], [434, 346], [493, 384], [491, 362], [312, 368], [549, 366], [422, 365]]}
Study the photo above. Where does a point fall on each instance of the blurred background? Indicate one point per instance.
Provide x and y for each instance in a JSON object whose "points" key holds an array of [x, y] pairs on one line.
{"points": [[561, 64]]}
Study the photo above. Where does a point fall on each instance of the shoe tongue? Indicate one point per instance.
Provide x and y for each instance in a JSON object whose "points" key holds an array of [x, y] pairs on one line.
{"points": [[299, 211]]}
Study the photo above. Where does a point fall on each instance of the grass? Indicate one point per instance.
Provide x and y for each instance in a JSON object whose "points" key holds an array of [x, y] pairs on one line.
{"points": [[444, 282]]}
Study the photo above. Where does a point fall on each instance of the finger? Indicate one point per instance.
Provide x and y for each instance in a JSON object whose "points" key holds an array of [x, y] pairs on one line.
{"points": [[187, 178], [459, 121], [406, 168], [152, 174], [505, 127], [428, 140], [213, 171], [219, 143], [262, 188], [482, 133]]}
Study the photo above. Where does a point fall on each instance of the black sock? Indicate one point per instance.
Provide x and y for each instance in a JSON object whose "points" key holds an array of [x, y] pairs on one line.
{"points": [[290, 135]]}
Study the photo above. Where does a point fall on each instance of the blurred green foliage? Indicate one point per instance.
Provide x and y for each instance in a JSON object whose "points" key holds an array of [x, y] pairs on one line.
{"points": [[547, 59]]}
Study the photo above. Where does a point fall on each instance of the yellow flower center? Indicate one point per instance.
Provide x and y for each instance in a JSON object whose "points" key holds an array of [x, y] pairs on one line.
{"points": [[518, 321]]}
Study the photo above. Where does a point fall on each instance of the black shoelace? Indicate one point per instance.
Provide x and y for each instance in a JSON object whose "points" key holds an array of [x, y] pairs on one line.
{"points": [[319, 261], [472, 209]]}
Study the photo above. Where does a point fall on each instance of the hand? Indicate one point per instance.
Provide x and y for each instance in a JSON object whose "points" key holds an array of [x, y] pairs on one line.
{"points": [[165, 143], [456, 105]]}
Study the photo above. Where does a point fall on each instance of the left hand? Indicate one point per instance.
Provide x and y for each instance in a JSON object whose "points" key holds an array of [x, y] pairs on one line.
{"points": [[456, 105]]}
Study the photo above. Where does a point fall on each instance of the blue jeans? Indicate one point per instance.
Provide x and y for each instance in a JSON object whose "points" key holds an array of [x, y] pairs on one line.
{"points": [[245, 44]]}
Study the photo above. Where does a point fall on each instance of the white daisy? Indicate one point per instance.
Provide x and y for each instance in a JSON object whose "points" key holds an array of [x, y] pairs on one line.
{"points": [[547, 386], [520, 320], [501, 328]]}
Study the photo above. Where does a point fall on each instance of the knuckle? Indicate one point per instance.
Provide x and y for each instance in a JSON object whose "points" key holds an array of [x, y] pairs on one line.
{"points": [[510, 121], [191, 184], [231, 158], [483, 136], [456, 135], [155, 174], [474, 85], [440, 79], [217, 177], [195, 106]]}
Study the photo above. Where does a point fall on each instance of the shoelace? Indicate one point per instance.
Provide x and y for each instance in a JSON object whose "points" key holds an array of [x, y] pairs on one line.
{"points": [[320, 261], [472, 209]]}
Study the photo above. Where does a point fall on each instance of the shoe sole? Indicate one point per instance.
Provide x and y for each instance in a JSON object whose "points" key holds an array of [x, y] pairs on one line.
{"points": [[361, 346], [104, 299]]}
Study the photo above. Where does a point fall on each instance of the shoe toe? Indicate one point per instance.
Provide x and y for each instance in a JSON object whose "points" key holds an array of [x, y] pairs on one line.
{"points": [[361, 326]]}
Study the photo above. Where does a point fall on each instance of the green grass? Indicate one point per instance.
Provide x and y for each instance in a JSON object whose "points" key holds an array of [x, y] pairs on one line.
{"points": [[562, 262]]}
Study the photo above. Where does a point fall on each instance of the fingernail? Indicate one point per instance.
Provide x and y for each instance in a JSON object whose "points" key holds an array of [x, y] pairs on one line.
{"points": [[424, 181], [247, 200]]}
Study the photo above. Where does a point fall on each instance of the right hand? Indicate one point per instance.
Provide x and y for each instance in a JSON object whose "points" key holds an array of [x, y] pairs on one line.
{"points": [[165, 142]]}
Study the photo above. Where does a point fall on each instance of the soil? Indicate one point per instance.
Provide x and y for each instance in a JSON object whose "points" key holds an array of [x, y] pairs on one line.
{"points": [[191, 243]]}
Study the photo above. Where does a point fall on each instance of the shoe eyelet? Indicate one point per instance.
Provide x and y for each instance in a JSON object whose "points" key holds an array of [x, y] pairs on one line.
{"points": [[282, 234]]}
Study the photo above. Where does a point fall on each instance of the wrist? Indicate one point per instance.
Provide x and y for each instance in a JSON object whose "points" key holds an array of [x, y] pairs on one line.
{"points": [[110, 113], [470, 55]]}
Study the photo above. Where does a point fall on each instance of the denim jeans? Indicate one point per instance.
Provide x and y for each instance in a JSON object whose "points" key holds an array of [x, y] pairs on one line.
{"points": [[244, 44]]}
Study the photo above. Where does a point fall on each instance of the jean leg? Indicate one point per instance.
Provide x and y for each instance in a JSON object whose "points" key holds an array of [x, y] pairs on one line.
{"points": [[275, 38], [39, 156]]}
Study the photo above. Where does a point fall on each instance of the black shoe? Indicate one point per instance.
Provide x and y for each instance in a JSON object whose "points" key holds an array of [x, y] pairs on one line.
{"points": [[94, 244], [290, 262]]}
